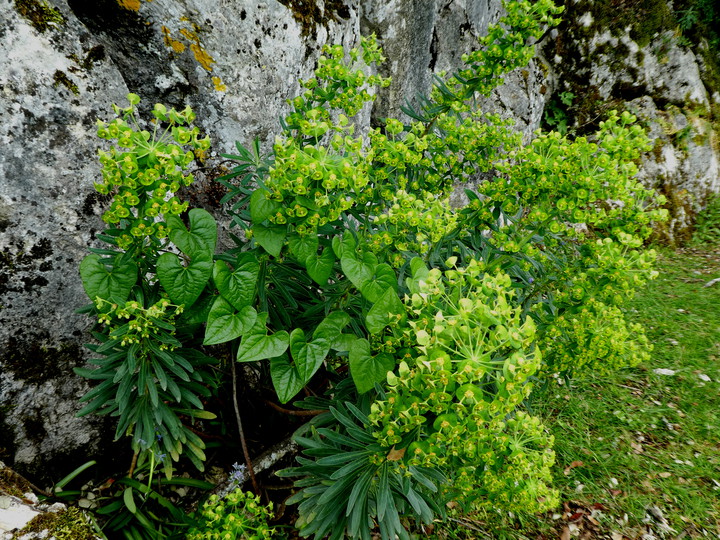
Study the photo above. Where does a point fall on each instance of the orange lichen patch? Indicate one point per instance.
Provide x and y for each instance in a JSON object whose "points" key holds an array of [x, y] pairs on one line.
{"points": [[202, 56], [219, 85], [174, 44], [131, 5]]}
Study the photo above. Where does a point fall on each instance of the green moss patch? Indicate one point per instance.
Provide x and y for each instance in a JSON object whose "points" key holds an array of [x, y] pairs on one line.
{"points": [[40, 14]]}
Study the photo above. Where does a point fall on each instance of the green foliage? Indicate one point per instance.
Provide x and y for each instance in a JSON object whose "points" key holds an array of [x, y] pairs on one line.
{"points": [[141, 506], [353, 483], [237, 515], [707, 224], [556, 114], [429, 323], [140, 288]]}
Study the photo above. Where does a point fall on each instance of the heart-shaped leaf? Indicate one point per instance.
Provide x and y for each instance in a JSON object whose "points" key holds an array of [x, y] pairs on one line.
{"points": [[225, 323], [331, 326], [320, 267], [285, 378], [200, 240], [183, 283], [366, 369], [270, 238], [358, 267], [237, 286], [110, 282], [308, 356], [302, 247], [261, 207], [383, 279], [256, 344], [384, 312], [343, 244]]}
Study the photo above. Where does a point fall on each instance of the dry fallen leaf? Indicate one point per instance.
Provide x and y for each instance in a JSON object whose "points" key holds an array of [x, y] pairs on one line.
{"points": [[395, 455], [637, 448], [572, 466], [616, 536], [665, 475], [565, 534]]}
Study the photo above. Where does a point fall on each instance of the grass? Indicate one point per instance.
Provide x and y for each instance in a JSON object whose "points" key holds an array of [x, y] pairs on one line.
{"points": [[642, 441]]}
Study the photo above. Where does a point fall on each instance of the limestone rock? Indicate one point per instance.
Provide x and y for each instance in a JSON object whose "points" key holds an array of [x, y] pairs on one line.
{"points": [[633, 58]]}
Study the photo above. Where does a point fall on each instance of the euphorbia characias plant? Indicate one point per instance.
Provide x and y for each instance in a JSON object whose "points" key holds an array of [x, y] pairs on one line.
{"points": [[429, 321]]}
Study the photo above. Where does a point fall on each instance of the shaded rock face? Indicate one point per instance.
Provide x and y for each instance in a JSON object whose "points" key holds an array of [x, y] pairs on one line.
{"points": [[631, 58], [65, 62]]}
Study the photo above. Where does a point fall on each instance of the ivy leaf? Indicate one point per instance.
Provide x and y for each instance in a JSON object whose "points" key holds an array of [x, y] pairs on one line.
{"points": [[343, 244], [258, 345], [320, 268], [112, 282], [225, 323], [200, 239], [285, 378], [384, 278], [303, 247], [384, 312], [358, 267], [308, 356], [261, 207], [365, 369], [272, 239], [332, 326], [183, 283], [237, 286]]}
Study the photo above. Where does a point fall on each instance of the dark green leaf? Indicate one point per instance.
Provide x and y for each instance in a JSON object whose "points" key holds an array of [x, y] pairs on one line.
{"points": [[319, 268], [237, 286], [261, 207], [272, 239], [303, 247], [225, 323], [112, 282], [285, 378], [365, 369], [384, 312], [258, 345], [184, 283], [200, 240]]}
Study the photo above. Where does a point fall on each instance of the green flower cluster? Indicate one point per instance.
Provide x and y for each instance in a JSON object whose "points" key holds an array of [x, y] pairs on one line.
{"points": [[455, 406], [142, 323], [319, 170], [501, 51], [238, 515], [411, 223], [146, 169], [593, 335]]}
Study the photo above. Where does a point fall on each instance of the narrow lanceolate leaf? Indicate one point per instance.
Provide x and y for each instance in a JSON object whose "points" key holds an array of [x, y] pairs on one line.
{"points": [[184, 283], [225, 323], [200, 239], [108, 281], [256, 344], [237, 286], [366, 369]]}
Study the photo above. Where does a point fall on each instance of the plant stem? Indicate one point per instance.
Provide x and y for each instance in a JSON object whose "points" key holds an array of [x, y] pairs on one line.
{"points": [[243, 443], [292, 412]]}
